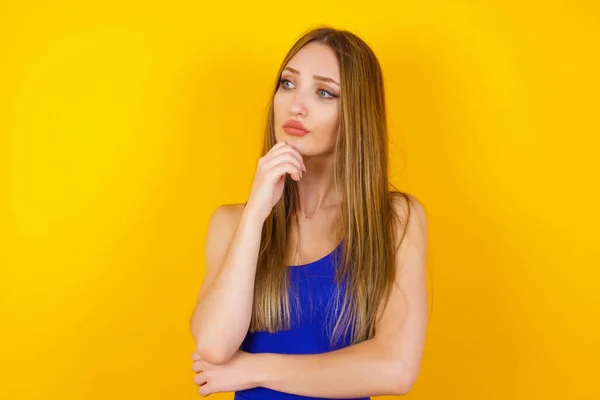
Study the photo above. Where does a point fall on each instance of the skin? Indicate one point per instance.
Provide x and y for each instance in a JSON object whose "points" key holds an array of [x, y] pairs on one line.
{"points": [[315, 104], [387, 364]]}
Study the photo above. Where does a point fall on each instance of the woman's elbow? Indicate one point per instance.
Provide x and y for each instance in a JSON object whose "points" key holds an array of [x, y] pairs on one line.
{"points": [[213, 354], [401, 389], [404, 382]]}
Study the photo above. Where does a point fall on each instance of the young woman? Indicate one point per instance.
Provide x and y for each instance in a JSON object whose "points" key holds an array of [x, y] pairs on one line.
{"points": [[316, 286]]}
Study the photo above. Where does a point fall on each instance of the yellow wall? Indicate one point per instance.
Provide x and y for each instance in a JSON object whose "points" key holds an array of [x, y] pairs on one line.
{"points": [[119, 124]]}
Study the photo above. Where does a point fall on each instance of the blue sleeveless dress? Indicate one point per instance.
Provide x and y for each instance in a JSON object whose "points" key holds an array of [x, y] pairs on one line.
{"points": [[314, 284]]}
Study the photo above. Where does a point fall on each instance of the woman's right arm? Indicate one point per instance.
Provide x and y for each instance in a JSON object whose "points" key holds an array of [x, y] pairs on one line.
{"points": [[221, 317]]}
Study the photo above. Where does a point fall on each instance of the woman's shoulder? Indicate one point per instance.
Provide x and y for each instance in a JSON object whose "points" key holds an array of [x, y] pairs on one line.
{"points": [[221, 227], [410, 224], [228, 213], [405, 204]]}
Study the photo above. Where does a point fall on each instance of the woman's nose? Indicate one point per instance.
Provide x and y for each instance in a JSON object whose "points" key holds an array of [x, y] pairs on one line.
{"points": [[298, 106]]}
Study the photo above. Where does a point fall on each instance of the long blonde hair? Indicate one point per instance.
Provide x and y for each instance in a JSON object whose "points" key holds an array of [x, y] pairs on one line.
{"points": [[365, 218]]}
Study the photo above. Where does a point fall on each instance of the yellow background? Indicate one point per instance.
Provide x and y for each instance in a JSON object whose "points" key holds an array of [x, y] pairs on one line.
{"points": [[123, 125]]}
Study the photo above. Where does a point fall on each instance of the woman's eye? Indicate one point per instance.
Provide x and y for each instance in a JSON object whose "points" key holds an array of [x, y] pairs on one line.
{"points": [[325, 94], [284, 83]]}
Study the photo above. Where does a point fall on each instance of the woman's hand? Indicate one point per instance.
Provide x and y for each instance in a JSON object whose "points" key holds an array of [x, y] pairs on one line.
{"points": [[269, 179], [236, 374]]}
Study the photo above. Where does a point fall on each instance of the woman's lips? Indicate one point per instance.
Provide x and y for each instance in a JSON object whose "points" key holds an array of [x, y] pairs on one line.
{"points": [[294, 128], [295, 131]]}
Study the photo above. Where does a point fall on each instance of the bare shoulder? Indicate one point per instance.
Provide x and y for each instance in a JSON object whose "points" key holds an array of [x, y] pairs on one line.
{"points": [[406, 204], [411, 222], [221, 227], [227, 215]]}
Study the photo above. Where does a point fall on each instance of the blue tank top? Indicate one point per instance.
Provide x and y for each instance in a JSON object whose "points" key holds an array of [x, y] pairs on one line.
{"points": [[314, 285]]}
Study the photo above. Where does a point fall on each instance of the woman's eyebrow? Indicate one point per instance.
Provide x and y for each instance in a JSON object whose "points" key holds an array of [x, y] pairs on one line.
{"points": [[318, 77]]}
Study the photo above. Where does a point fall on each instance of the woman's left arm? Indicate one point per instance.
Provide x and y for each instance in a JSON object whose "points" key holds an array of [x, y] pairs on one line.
{"points": [[389, 363]]}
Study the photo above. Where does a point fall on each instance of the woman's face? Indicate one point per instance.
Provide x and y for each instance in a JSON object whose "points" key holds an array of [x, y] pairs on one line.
{"points": [[308, 93]]}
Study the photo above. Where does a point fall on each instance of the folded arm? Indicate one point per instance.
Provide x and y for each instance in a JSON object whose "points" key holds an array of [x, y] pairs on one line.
{"points": [[387, 364]]}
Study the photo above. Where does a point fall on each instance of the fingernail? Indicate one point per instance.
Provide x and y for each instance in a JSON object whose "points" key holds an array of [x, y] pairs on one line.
{"points": [[304, 167]]}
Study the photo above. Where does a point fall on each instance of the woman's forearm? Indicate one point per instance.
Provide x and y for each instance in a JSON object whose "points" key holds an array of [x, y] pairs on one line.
{"points": [[222, 316], [361, 370]]}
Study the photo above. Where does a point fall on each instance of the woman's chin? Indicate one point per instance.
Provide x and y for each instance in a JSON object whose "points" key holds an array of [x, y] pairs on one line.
{"points": [[298, 146]]}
